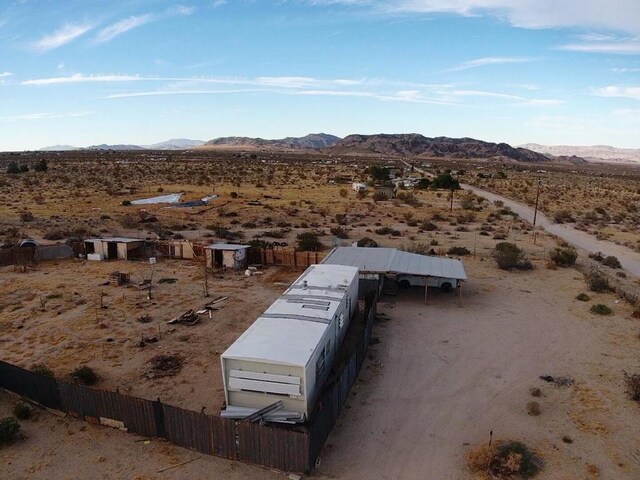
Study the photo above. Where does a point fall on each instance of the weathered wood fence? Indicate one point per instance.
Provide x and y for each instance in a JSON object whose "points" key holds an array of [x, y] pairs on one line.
{"points": [[286, 448], [286, 257]]}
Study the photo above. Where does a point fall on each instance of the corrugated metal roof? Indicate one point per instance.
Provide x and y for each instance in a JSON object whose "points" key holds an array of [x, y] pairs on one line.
{"points": [[290, 329], [226, 246], [392, 260], [115, 239]]}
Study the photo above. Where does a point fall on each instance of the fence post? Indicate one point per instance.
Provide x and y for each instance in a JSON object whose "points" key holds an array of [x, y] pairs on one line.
{"points": [[158, 413]]}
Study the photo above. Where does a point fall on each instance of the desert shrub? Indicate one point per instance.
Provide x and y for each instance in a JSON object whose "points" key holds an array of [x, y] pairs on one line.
{"points": [[41, 166], [9, 427], [309, 241], [504, 460], [85, 375], [42, 369], [598, 257], [367, 242], [563, 216], [600, 309], [611, 261], [468, 202], [428, 226], [508, 256], [633, 386], [636, 313], [583, 297], [339, 232], [563, 256], [13, 168], [233, 194], [383, 230], [458, 251], [597, 281], [423, 184], [22, 410], [54, 234], [409, 199], [27, 216], [533, 409], [126, 203], [343, 192]]}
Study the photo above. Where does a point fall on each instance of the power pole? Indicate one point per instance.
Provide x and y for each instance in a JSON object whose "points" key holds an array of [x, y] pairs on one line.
{"points": [[206, 277], [535, 212]]}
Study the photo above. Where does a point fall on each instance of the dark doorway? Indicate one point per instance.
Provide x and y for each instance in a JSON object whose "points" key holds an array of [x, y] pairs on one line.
{"points": [[217, 258], [112, 250]]}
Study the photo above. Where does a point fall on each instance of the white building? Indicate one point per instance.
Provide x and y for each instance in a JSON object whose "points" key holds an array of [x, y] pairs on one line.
{"points": [[288, 351], [359, 187]]}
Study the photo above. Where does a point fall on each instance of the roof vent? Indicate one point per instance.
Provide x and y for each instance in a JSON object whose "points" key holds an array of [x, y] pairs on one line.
{"points": [[304, 284]]}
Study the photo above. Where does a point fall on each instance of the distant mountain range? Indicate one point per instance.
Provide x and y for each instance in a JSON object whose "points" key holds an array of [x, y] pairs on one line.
{"points": [[413, 144], [595, 153], [403, 145], [173, 144], [311, 141]]}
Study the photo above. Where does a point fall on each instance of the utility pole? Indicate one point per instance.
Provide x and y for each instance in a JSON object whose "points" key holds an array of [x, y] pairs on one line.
{"points": [[535, 212], [206, 277]]}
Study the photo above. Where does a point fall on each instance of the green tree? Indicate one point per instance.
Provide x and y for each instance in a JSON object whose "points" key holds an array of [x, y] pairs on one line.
{"points": [[446, 181], [13, 168], [379, 174], [41, 166]]}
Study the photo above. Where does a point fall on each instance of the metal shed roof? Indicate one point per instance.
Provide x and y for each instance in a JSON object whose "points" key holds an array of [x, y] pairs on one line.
{"points": [[226, 246], [289, 331], [392, 260], [115, 239]]}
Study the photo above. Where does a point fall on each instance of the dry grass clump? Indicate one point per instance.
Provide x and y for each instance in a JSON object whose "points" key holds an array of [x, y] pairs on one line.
{"points": [[533, 409], [633, 385], [503, 460]]}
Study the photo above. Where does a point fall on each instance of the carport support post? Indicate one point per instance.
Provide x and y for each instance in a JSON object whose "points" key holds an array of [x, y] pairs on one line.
{"points": [[459, 293], [426, 286]]}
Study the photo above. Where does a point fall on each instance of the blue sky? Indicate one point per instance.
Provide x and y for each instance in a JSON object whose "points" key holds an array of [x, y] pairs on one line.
{"points": [[84, 72]]}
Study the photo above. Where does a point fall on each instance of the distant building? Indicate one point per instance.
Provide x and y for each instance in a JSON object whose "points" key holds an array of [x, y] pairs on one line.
{"points": [[359, 187], [113, 248], [388, 191], [227, 255]]}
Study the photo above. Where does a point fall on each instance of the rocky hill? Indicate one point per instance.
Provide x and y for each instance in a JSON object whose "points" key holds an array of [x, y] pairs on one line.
{"points": [[594, 153], [414, 144], [311, 141]]}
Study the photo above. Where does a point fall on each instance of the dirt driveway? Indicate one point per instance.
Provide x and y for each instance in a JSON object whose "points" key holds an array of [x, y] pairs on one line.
{"points": [[444, 376]]}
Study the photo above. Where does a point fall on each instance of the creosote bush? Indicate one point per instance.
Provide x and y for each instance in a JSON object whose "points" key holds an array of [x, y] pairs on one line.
{"points": [[85, 375], [504, 460], [509, 256], [633, 386], [611, 261], [597, 281], [583, 297], [309, 241], [22, 410], [458, 251], [9, 427], [563, 256], [600, 309], [42, 369]]}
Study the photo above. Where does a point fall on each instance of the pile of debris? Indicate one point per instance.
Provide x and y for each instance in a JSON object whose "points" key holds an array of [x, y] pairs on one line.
{"points": [[560, 381], [189, 318], [164, 366]]}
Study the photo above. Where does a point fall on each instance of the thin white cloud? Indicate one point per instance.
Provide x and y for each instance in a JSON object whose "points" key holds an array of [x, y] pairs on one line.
{"points": [[44, 116], [624, 15], [81, 78], [5, 74], [123, 26], [162, 93], [625, 69], [620, 47], [65, 34], [613, 91], [628, 113], [181, 10], [485, 61]]}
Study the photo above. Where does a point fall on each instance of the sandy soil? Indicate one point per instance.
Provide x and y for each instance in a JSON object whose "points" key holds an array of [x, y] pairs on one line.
{"points": [[444, 376], [440, 379], [52, 315]]}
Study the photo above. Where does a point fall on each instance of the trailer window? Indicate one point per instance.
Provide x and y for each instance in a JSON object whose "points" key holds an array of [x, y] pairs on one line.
{"points": [[320, 364]]}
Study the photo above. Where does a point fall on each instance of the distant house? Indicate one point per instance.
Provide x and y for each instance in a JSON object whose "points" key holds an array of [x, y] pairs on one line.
{"points": [[227, 255], [113, 248], [359, 187], [387, 191]]}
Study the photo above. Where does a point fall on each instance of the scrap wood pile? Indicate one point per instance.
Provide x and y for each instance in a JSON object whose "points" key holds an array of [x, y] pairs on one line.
{"points": [[192, 317]]}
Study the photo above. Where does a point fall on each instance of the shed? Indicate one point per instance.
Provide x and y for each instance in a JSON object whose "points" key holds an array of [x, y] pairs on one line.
{"points": [[416, 269], [227, 255], [112, 248], [287, 353]]}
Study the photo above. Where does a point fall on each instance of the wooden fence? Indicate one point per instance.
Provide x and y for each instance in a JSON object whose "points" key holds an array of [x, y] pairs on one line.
{"points": [[286, 257], [286, 448], [17, 256]]}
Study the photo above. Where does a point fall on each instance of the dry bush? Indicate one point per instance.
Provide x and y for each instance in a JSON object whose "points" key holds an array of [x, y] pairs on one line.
{"points": [[533, 409], [504, 460], [633, 385]]}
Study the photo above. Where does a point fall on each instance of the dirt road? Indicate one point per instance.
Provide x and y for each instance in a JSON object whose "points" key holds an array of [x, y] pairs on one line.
{"points": [[629, 259]]}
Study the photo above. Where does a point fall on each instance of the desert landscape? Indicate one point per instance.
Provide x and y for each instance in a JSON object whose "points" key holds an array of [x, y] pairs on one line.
{"points": [[438, 378]]}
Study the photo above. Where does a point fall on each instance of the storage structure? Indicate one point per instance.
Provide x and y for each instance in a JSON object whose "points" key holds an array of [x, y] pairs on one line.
{"points": [[227, 255], [288, 352], [120, 248]]}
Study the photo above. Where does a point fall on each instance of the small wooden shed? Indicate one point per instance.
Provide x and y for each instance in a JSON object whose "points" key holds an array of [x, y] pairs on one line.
{"points": [[227, 255], [113, 248]]}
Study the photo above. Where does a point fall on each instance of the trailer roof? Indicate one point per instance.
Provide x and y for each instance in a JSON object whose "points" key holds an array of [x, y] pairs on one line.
{"points": [[392, 260], [289, 331], [115, 239], [226, 246]]}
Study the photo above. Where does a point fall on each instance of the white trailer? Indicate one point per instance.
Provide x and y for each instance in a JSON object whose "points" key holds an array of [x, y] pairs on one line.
{"points": [[288, 352]]}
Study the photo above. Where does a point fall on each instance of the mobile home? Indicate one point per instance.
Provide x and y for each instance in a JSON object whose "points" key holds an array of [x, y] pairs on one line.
{"points": [[288, 352]]}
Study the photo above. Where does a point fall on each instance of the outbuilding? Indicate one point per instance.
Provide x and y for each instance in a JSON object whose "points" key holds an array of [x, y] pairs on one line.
{"points": [[112, 248], [227, 255], [287, 353]]}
